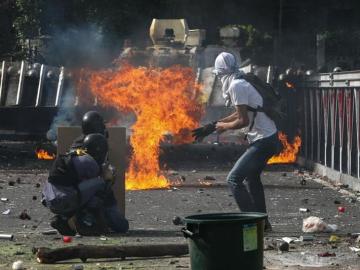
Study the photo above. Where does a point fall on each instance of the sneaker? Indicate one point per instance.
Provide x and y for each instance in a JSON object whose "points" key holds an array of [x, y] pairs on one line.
{"points": [[61, 225]]}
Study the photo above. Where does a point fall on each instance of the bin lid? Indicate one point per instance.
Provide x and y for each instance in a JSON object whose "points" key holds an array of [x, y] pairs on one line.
{"points": [[225, 218]]}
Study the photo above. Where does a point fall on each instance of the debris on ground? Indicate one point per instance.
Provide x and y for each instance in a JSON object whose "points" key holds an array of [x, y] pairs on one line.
{"points": [[307, 237], [337, 202], [6, 236], [67, 239], [18, 265], [4, 199], [354, 249], [182, 178], [37, 185], [177, 221], [284, 246], [50, 232], [303, 182], [304, 210], [316, 224], [209, 178], [341, 209], [24, 215], [11, 183], [334, 239], [326, 254], [77, 267], [6, 212]]}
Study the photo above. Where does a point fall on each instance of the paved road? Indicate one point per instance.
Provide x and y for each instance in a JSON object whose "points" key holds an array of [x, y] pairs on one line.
{"points": [[150, 213]]}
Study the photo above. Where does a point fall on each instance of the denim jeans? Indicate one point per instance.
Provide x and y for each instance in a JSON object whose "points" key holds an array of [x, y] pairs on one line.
{"points": [[244, 178]]}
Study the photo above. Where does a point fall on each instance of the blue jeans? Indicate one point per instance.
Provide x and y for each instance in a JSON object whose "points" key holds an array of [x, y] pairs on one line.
{"points": [[244, 178]]}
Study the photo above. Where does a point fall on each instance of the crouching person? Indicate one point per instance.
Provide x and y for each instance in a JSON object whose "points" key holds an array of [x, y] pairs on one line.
{"points": [[78, 194]]}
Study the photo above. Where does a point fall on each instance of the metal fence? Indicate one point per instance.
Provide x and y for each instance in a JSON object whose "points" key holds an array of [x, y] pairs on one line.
{"points": [[330, 120]]}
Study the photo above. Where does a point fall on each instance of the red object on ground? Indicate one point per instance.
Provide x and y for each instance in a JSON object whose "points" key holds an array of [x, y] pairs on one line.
{"points": [[341, 209], [67, 239]]}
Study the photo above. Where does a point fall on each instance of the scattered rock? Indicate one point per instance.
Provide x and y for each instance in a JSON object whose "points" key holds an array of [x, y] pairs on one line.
{"points": [[77, 267], [18, 265], [209, 178], [337, 202], [24, 215], [11, 183], [177, 221], [284, 247], [34, 198]]}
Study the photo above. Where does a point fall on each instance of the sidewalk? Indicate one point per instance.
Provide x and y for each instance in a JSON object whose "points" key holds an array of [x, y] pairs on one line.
{"points": [[150, 213]]}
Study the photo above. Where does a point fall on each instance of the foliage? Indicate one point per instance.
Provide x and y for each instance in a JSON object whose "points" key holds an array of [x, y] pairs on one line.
{"points": [[27, 22], [255, 44]]}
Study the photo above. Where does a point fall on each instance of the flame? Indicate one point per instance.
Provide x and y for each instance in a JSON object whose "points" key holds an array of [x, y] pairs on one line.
{"points": [[289, 152], [42, 154], [289, 85], [163, 100]]}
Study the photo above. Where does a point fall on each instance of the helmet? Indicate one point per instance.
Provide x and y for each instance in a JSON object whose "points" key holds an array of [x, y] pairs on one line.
{"points": [[96, 146], [92, 122]]}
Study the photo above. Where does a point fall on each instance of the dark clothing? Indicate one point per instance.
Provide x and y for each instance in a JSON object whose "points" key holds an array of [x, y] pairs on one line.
{"points": [[244, 178], [63, 172], [78, 142]]}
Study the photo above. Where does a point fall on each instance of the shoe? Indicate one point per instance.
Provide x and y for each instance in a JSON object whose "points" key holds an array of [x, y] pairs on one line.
{"points": [[61, 225]]}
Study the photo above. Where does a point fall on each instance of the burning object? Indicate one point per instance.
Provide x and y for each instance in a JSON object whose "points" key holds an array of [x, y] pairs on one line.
{"points": [[43, 154], [289, 152], [163, 100]]}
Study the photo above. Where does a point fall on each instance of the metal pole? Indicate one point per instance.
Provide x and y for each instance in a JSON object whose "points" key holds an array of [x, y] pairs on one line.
{"points": [[21, 83], [325, 100], [40, 86], [2, 81], [357, 116], [318, 121], [59, 87]]}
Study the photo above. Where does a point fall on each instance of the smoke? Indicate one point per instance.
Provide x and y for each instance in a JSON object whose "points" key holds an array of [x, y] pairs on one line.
{"points": [[65, 115], [81, 46]]}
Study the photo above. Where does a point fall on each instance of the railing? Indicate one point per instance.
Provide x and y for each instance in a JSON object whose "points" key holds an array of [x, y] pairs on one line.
{"points": [[329, 109]]}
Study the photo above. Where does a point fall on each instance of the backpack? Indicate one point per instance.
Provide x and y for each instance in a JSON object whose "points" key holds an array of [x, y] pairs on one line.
{"points": [[271, 99]]}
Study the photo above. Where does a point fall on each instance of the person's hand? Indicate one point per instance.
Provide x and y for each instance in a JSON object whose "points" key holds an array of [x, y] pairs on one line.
{"points": [[200, 133], [220, 127], [108, 172]]}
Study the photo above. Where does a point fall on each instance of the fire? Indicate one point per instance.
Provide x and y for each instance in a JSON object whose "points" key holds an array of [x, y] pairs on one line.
{"points": [[289, 85], [289, 152], [163, 100], [42, 154]]}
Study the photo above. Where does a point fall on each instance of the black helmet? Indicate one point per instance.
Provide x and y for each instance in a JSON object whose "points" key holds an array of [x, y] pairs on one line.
{"points": [[92, 122], [96, 146]]}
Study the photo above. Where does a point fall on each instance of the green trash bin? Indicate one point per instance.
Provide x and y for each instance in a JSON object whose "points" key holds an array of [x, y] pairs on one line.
{"points": [[226, 241]]}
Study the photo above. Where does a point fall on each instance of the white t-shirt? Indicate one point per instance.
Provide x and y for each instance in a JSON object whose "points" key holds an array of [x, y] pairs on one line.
{"points": [[243, 93]]}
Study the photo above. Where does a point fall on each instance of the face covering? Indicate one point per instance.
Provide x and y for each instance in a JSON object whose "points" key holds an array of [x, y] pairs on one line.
{"points": [[227, 69]]}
